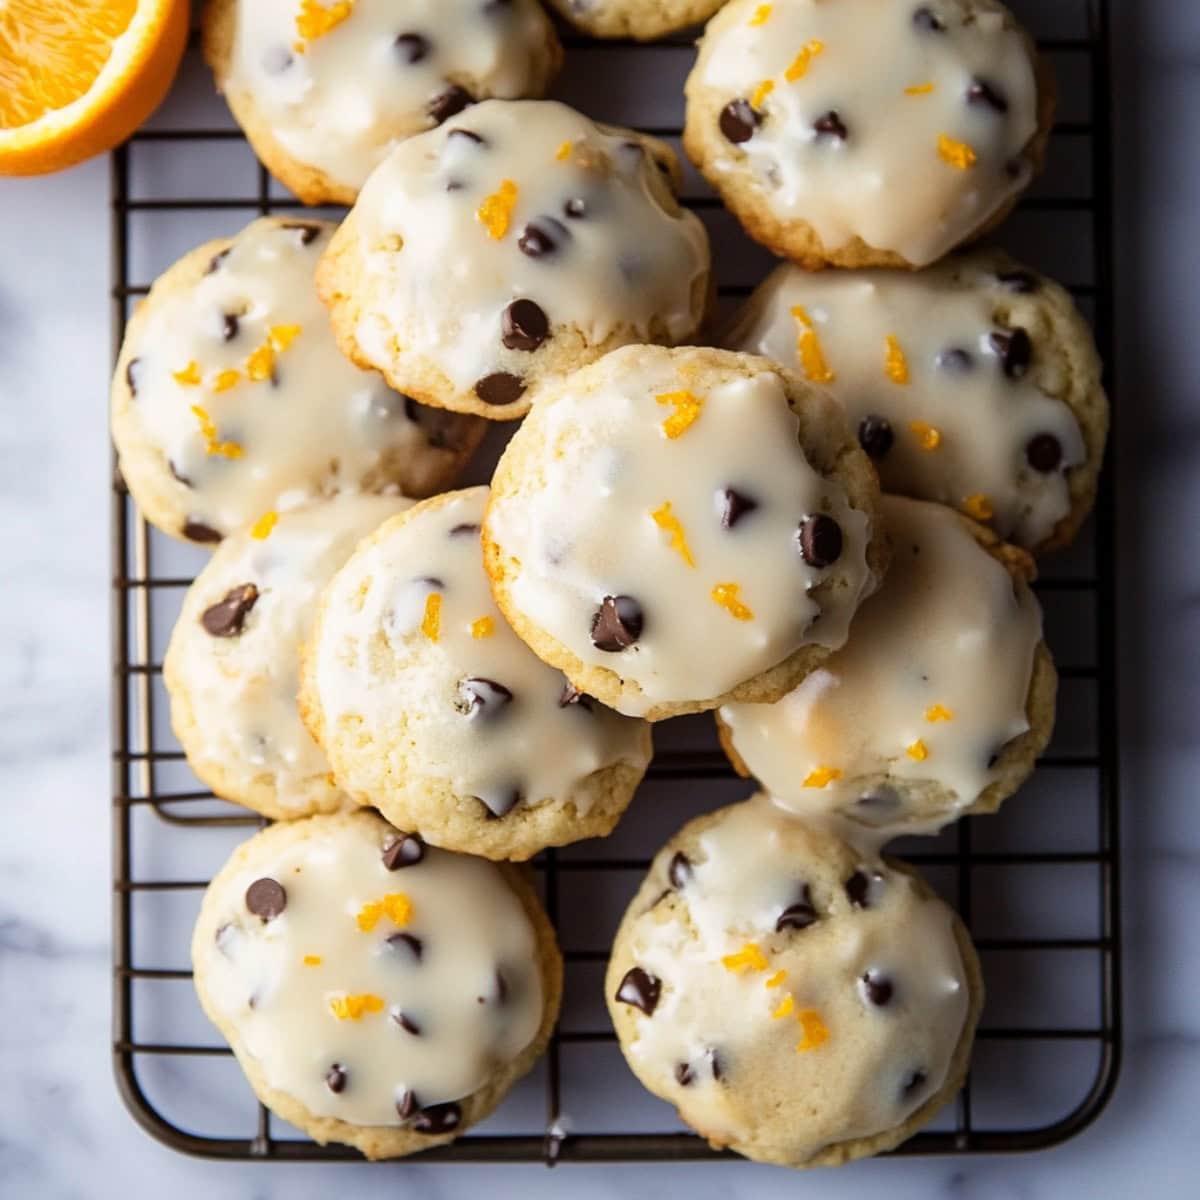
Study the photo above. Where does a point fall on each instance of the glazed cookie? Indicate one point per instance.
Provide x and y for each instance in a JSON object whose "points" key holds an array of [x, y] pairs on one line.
{"points": [[230, 399], [232, 668], [325, 90], [431, 708], [488, 258], [376, 991], [644, 20], [798, 1000], [938, 704], [867, 132], [674, 529], [975, 383]]}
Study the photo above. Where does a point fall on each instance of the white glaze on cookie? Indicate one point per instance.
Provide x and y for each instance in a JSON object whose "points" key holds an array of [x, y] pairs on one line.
{"points": [[931, 685], [626, 510], [522, 201], [933, 352], [414, 653], [339, 100], [753, 1020], [233, 662], [335, 979], [905, 124], [237, 383]]}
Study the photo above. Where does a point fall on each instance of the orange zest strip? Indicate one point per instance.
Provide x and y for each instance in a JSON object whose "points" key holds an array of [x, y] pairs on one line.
{"points": [[495, 212], [315, 20], [352, 1007], [261, 363], [762, 14], [563, 152], [761, 92], [431, 622], [311, 960], [979, 506], [918, 751], [803, 60], [956, 154], [226, 379], [938, 712], [666, 520], [749, 958], [189, 376], [808, 346], [776, 979], [726, 595], [786, 1007], [483, 628], [396, 906], [687, 408], [821, 777], [816, 1032], [896, 364], [929, 437], [261, 529], [919, 89], [282, 336]]}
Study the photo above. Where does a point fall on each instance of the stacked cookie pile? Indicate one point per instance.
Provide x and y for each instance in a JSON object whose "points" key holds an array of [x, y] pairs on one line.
{"points": [[819, 525]]}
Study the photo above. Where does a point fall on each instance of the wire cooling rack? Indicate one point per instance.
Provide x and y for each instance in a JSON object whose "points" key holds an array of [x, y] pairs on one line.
{"points": [[1037, 883]]}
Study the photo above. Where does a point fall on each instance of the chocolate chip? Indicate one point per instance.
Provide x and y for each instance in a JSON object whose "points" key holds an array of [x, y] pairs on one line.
{"points": [[575, 208], [572, 697], [131, 374], [1044, 453], [308, 232], [877, 989], [217, 259], [197, 531], [335, 1079], [465, 529], [501, 986], [680, 870], [500, 388], [955, 359], [927, 21], [404, 1021], [715, 1064], [227, 617], [982, 92], [177, 474], [820, 540], [500, 801], [683, 1074], [404, 850], [875, 436], [831, 125], [276, 59], [449, 103], [229, 326], [799, 915], [641, 989], [266, 899], [438, 1118], [734, 505], [412, 47], [407, 943], [543, 235], [1015, 351], [432, 582], [407, 1104], [443, 430], [617, 624], [483, 698], [738, 121], [524, 326], [858, 889], [225, 936], [468, 135], [1024, 283], [454, 185], [914, 1083]]}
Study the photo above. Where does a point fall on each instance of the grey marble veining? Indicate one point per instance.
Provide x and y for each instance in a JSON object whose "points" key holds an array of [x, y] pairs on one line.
{"points": [[63, 1132]]}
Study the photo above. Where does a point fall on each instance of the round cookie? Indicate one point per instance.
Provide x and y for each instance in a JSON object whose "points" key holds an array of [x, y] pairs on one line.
{"points": [[867, 132], [232, 668], [643, 20], [230, 399], [975, 383], [939, 703], [376, 991], [490, 257], [324, 91], [674, 529], [798, 1000], [432, 709]]}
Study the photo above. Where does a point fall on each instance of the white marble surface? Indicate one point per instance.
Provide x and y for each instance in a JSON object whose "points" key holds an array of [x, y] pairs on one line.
{"points": [[63, 1132]]}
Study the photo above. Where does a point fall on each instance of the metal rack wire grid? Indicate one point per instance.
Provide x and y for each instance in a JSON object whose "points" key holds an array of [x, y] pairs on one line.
{"points": [[1037, 883]]}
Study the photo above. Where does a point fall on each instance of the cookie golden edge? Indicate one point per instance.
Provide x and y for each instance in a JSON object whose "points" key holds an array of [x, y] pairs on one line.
{"points": [[425, 805], [643, 22], [625, 1022], [310, 184], [143, 466], [341, 288], [793, 237], [844, 460], [374, 1141], [1019, 756]]}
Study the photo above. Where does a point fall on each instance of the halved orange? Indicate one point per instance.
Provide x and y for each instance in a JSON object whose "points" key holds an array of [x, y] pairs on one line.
{"points": [[79, 76]]}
